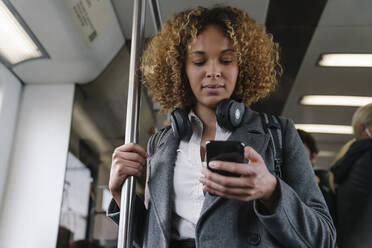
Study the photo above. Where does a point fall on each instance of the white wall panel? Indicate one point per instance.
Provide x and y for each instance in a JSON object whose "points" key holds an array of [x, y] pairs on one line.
{"points": [[33, 194], [10, 90]]}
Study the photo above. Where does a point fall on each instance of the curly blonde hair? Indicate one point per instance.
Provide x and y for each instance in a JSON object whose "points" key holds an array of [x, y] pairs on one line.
{"points": [[163, 61]]}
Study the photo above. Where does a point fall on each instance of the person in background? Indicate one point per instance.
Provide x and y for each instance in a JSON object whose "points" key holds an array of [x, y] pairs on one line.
{"points": [[310, 145], [206, 60], [343, 150], [324, 178], [353, 178]]}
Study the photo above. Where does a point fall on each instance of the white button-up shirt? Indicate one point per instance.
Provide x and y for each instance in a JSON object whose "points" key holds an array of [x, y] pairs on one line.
{"points": [[188, 196]]}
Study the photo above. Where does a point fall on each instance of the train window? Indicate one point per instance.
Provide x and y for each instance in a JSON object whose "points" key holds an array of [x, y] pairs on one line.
{"points": [[75, 199]]}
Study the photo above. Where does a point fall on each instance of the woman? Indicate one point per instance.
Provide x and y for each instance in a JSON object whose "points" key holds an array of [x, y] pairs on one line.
{"points": [[353, 175], [199, 58]]}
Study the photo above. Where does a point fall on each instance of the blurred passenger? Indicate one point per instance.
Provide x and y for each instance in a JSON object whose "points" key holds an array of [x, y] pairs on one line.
{"points": [[323, 177], [353, 176], [343, 150], [310, 145]]}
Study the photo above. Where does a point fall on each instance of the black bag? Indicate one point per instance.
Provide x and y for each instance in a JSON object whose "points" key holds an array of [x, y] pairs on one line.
{"points": [[325, 182]]}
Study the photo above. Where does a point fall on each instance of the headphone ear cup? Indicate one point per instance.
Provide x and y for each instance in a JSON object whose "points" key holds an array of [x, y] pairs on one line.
{"points": [[229, 113], [180, 124], [236, 113]]}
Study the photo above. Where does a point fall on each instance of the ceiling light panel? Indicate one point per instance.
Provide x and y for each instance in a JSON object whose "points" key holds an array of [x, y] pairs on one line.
{"points": [[345, 60], [16, 43], [328, 100]]}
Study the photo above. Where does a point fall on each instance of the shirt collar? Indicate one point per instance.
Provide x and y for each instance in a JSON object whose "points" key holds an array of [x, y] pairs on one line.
{"points": [[193, 117], [195, 121]]}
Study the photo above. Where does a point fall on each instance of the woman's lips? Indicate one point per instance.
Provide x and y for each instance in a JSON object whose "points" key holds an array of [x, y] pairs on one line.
{"points": [[213, 88]]}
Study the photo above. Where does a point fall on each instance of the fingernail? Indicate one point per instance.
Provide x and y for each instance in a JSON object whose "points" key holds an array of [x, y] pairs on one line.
{"points": [[201, 179], [213, 164]]}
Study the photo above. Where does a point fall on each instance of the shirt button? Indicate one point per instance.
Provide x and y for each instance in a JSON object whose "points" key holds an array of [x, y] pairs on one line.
{"points": [[254, 238]]}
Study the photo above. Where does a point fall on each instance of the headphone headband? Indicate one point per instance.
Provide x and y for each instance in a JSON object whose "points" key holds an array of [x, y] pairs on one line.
{"points": [[229, 115]]}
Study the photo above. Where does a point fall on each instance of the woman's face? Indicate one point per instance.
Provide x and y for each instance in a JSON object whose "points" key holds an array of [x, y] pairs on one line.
{"points": [[211, 67]]}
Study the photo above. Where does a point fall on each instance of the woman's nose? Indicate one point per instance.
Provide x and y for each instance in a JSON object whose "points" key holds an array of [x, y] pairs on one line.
{"points": [[214, 75], [213, 71]]}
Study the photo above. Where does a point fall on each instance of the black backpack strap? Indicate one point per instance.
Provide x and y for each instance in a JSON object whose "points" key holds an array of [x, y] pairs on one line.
{"points": [[271, 125]]}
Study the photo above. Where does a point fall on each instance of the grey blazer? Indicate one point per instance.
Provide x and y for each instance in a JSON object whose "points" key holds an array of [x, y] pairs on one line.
{"points": [[301, 217]]}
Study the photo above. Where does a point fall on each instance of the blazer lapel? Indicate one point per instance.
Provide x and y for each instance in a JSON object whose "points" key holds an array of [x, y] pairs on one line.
{"points": [[251, 134], [160, 180]]}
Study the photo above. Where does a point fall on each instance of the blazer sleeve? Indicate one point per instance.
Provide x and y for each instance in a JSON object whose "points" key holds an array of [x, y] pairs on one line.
{"points": [[301, 217], [141, 205], [139, 219]]}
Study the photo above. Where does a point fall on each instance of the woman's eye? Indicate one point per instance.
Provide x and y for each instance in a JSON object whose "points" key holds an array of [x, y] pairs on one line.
{"points": [[199, 63], [226, 62]]}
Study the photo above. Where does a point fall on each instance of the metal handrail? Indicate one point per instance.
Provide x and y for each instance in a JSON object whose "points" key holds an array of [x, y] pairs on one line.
{"points": [[131, 133]]}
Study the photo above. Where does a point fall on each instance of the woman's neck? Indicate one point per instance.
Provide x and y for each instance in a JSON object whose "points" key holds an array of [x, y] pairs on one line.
{"points": [[207, 116]]}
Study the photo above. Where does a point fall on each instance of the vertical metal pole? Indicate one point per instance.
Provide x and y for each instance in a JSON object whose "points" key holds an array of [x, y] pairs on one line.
{"points": [[156, 15], [128, 191]]}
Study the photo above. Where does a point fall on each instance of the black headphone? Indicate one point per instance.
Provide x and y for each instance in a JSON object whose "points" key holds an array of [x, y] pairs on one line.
{"points": [[229, 114]]}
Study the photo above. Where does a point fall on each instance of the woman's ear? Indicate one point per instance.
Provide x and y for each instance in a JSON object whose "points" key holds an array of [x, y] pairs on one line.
{"points": [[364, 131], [313, 158], [362, 128]]}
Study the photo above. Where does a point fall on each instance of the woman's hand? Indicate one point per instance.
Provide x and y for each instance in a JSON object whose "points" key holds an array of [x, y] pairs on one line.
{"points": [[127, 160], [255, 182]]}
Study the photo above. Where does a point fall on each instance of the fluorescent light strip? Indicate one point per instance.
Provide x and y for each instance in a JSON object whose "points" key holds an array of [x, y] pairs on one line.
{"points": [[322, 128], [346, 60], [15, 44], [326, 154], [355, 101]]}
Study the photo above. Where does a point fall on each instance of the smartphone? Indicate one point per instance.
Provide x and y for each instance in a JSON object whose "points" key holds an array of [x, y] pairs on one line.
{"points": [[231, 151]]}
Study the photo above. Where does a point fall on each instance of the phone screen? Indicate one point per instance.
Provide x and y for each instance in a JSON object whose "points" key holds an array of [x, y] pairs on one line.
{"points": [[231, 151]]}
